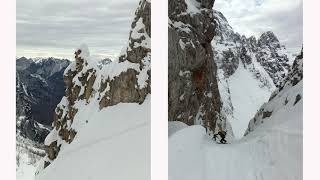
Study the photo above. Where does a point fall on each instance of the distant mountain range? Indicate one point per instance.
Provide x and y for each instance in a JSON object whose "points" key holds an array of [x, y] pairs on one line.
{"points": [[39, 88]]}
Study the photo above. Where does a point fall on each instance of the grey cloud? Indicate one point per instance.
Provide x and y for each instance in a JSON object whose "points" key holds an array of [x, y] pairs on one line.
{"points": [[59, 25], [252, 17]]}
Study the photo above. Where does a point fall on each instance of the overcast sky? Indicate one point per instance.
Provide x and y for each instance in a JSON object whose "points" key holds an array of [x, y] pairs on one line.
{"points": [[56, 27], [252, 17]]}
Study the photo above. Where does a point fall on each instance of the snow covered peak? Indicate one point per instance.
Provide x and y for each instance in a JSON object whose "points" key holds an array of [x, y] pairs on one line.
{"points": [[267, 50], [223, 31], [84, 51], [193, 7], [139, 42], [268, 39], [46, 66]]}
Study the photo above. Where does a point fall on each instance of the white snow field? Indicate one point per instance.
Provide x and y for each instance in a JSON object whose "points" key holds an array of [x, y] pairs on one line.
{"points": [[114, 144], [26, 172], [247, 96], [175, 126], [272, 151]]}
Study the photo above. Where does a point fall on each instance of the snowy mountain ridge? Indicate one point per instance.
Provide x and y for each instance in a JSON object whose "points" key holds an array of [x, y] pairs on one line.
{"points": [[249, 70], [92, 117], [230, 48]]}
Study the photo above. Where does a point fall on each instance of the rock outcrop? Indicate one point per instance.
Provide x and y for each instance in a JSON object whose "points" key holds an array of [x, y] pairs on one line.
{"points": [[98, 85], [193, 89], [271, 56]]}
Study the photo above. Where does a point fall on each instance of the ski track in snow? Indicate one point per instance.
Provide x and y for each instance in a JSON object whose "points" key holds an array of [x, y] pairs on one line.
{"points": [[247, 159], [107, 138]]}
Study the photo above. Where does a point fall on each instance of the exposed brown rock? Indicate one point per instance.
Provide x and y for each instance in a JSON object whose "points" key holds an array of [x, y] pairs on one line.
{"points": [[52, 150], [123, 89]]}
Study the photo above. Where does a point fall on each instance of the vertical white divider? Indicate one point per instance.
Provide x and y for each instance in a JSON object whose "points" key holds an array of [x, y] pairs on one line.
{"points": [[159, 89], [7, 90]]}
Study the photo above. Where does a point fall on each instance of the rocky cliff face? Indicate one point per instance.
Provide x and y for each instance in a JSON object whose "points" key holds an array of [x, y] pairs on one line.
{"points": [[92, 85], [39, 88], [193, 89], [272, 57], [287, 97]]}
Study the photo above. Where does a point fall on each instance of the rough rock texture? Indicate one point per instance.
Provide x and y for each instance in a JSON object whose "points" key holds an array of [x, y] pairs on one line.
{"points": [[103, 84], [140, 34], [269, 55], [233, 47], [287, 95], [193, 91], [39, 88]]}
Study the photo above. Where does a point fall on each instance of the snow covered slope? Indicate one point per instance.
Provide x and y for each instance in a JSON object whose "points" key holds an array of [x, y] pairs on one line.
{"points": [[244, 94], [114, 144], [285, 99], [271, 149], [174, 126], [272, 152], [249, 70]]}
